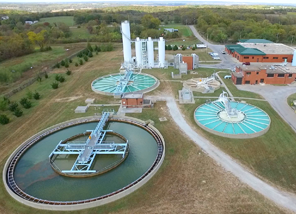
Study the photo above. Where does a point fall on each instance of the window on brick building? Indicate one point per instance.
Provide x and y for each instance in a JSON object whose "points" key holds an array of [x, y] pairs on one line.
{"points": [[257, 72], [281, 75], [248, 73], [275, 57], [247, 82], [290, 75], [285, 57], [270, 75], [246, 57], [265, 57]]}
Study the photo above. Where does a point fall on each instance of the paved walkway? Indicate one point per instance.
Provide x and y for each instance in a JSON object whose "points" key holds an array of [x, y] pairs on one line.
{"points": [[277, 97], [282, 198]]}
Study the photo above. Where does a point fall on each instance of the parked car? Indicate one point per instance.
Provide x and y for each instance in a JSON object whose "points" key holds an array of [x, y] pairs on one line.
{"points": [[216, 58], [246, 63], [223, 52], [227, 77]]}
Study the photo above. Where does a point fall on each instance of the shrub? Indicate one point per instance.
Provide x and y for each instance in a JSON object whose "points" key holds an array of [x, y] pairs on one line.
{"points": [[183, 48], [57, 65], [89, 47], [62, 63], [70, 61], [12, 106], [81, 62], [36, 95], [23, 101], [27, 105], [193, 48], [55, 85], [85, 58], [46, 75], [39, 78], [170, 47], [68, 72], [4, 119], [97, 52], [76, 64], [62, 79], [79, 54], [175, 48], [3, 104], [90, 54], [57, 77], [66, 64], [17, 112], [29, 94]]}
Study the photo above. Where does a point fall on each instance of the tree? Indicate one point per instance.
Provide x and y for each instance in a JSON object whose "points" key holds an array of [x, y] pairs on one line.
{"points": [[12, 106], [170, 47], [4, 119], [55, 85], [68, 72], [175, 48], [37, 38], [36, 95], [17, 112], [149, 22]]}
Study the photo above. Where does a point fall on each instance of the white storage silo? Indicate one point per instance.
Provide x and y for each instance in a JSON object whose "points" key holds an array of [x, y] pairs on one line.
{"points": [[126, 41], [138, 45], [150, 50], [294, 59], [161, 52]]}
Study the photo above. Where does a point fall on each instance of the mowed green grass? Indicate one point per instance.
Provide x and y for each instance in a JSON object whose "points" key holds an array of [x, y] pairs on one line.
{"points": [[185, 30], [80, 33], [68, 20]]}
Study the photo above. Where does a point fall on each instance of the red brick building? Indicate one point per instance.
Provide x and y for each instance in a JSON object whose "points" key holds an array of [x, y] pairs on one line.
{"points": [[134, 100], [189, 61], [263, 74], [260, 50]]}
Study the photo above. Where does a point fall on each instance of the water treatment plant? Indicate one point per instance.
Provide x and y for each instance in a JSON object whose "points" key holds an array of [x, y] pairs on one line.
{"points": [[232, 119]]}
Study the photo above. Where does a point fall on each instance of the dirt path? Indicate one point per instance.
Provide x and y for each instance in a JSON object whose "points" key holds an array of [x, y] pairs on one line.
{"points": [[284, 199]]}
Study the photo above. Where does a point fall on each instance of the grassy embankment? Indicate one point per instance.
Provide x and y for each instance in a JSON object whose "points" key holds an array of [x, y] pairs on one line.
{"points": [[188, 177]]}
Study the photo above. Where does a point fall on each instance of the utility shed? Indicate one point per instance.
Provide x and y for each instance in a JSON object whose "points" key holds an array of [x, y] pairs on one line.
{"points": [[81, 109], [132, 100]]}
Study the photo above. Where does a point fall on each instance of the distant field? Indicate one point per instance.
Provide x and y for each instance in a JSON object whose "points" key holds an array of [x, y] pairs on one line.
{"points": [[291, 13], [68, 20], [81, 33], [185, 30]]}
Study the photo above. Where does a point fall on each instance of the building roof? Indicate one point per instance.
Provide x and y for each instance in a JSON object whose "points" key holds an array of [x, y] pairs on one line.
{"points": [[254, 41], [249, 51], [269, 48], [270, 69], [132, 95]]}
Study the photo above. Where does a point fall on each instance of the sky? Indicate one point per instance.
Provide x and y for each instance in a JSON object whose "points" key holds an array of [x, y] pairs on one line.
{"points": [[171, 1]]}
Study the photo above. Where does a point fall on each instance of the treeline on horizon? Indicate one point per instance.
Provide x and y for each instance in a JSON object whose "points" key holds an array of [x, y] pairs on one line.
{"points": [[217, 24]]}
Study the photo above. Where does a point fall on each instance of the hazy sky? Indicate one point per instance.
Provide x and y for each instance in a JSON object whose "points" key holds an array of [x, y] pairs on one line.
{"points": [[238, 1]]}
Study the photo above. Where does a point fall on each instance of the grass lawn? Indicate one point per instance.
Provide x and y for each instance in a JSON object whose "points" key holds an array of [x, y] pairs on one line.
{"points": [[188, 176], [185, 30], [68, 20], [80, 33], [291, 98]]}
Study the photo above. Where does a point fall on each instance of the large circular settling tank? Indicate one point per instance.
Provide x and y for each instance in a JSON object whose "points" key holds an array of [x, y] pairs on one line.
{"points": [[109, 84], [31, 178], [249, 121]]}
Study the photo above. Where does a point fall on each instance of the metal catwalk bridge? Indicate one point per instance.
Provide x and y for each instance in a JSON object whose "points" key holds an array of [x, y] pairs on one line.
{"points": [[88, 150]]}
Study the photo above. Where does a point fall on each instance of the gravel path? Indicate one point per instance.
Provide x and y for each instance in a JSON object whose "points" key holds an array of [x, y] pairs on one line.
{"points": [[279, 197]]}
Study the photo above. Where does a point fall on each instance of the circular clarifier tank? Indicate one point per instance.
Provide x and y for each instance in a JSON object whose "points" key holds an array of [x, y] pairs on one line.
{"points": [[248, 122], [138, 83], [30, 179]]}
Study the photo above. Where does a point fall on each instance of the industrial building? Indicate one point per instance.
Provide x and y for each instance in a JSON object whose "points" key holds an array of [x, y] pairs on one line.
{"points": [[255, 74], [144, 51], [260, 50], [191, 61], [135, 100]]}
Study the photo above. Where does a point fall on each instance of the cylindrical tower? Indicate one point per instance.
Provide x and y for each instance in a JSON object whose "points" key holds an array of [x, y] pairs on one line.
{"points": [[294, 59], [138, 45], [161, 52], [150, 50], [126, 41]]}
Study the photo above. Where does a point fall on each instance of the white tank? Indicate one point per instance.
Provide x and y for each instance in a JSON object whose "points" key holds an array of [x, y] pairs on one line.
{"points": [[126, 41], [294, 59], [138, 45], [161, 52], [150, 50]]}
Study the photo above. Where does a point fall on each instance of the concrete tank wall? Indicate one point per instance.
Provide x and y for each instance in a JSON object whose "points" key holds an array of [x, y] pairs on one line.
{"points": [[126, 41], [150, 50], [161, 52], [138, 45], [294, 59]]}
